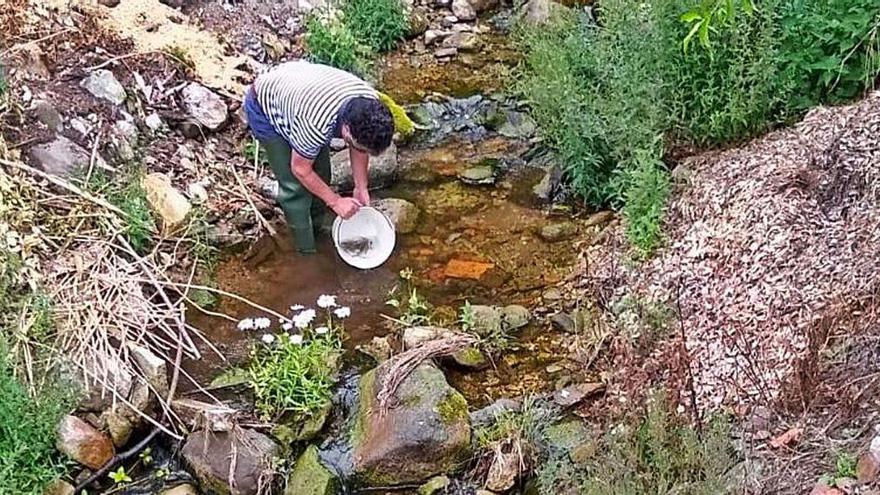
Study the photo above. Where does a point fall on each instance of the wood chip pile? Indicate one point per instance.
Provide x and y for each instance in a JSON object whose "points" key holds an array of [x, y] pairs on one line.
{"points": [[766, 243]]}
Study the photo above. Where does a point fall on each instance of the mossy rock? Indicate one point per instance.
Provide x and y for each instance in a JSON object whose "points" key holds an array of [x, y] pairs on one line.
{"points": [[425, 432], [471, 357], [301, 429], [310, 477]]}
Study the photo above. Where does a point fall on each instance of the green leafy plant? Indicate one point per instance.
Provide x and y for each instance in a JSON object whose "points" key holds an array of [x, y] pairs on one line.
{"points": [[254, 152], [126, 193], [28, 459], [644, 199], [466, 317], [412, 308], [330, 41], [830, 50], [294, 370], [706, 17], [378, 24], [120, 477], [845, 465], [4, 87]]}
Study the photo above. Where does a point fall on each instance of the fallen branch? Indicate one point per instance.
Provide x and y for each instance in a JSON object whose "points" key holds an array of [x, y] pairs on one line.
{"points": [[265, 223]]}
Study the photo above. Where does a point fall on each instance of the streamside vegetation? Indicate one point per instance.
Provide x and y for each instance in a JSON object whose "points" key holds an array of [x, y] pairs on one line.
{"points": [[351, 35], [621, 95]]}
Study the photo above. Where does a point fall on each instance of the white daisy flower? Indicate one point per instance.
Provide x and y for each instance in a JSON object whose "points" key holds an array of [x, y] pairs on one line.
{"points": [[287, 326], [246, 324], [343, 312], [321, 330], [303, 319], [296, 339], [262, 323], [297, 307], [326, 301], [267, 338]]}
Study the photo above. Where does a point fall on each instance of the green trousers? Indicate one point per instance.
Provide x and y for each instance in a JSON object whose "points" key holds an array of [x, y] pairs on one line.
{"points": [[304, 212]]}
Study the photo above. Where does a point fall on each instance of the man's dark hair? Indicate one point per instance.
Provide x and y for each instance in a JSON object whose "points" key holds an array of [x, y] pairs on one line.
{"points": [[369, 122]]}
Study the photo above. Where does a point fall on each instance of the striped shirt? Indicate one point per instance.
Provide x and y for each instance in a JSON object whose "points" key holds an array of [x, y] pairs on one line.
{"points": [[303, 100]]}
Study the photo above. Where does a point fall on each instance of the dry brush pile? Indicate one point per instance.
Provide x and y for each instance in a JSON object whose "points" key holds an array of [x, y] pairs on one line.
{"points": [[772, 252]]}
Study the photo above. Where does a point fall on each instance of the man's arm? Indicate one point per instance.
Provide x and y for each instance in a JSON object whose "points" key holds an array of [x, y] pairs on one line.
{"points": [[304, 172], [359, 164]]}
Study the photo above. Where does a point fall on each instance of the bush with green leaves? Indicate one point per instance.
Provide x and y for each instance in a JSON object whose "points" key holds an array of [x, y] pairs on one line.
{"points": [[378, 24], [28, 459], [829, 49], [660, 454], [350, 35], [604, 94], [330, 41]]}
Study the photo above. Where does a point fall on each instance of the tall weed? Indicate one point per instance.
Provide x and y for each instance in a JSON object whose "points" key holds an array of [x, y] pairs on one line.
{"points": [[330, 41]]}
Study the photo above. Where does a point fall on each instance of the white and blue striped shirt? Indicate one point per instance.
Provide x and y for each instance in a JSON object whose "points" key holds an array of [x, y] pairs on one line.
{"points": [[302, 101]]}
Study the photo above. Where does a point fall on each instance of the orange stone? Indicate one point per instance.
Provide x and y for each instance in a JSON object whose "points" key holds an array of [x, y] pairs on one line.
{"points": [[473, 270]]}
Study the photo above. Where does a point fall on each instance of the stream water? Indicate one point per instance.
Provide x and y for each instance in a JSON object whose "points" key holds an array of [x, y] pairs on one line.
{"points": [[476, 243]]}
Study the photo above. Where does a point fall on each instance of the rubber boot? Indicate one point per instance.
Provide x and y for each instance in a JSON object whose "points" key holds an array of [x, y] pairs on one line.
{"points": [[319, 209], [295, 200]]}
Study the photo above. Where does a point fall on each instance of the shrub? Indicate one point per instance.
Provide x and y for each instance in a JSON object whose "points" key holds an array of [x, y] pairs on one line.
{"points": [[330, 41], [28, 459], [660, 455], [644, 197], [378, 24], [830, 49], [295, 372]]}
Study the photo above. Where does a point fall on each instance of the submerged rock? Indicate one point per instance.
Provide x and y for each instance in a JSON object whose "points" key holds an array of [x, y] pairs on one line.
{"points": [[487, 320], [62, 157], [103, 84], [379, 349], [434, 485], [487, 415], [558, 232], [382, 170], [464, 42], [403, 214], [205, 106], [168, 203], [230, 463], [424, 433], [310, 477], [480, 175], [83, 443], [302, 429]]}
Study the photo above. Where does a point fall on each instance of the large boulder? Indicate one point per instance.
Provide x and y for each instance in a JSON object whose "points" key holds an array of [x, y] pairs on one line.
{"points": [[426, 431], [231, 463], [403, 214], [62, 157], [205, 106], [83, 443], [104, 85], [168, 203], [310, 477], [382, 169]]}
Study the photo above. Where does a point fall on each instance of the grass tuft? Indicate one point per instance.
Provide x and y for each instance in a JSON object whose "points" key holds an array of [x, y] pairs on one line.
{"points": [[28, 459]]}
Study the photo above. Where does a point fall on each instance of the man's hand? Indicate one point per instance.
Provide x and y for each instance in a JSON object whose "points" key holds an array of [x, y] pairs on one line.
{"points": [[362, 195], [346, 207]]}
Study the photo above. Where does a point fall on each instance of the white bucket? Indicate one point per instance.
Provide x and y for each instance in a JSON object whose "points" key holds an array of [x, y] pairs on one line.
{"points": [[366, 240]]}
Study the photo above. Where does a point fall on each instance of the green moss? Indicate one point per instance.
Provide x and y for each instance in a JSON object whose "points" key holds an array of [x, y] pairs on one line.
{"points": [[359, 425], [310, 477], [452, 408]]}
